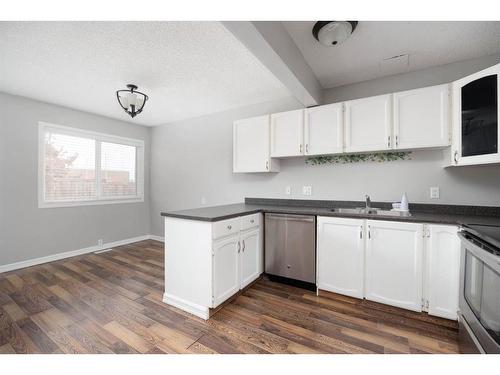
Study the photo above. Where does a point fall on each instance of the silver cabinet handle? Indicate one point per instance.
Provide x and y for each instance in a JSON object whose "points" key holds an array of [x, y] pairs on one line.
{"points": [[252, 221], [397, 141], [389, 141], [229, 227], [361, 231], [307, 148], [455, 157], [243, 246], [239, 247], [369, 232], [267, 165], [300, 149]]}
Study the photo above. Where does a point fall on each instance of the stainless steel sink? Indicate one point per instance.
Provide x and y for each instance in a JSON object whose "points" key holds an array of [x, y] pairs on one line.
{"points": [[369, 211]]}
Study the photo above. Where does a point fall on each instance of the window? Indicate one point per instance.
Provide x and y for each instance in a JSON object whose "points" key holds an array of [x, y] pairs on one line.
{"points": [[78, 167]]}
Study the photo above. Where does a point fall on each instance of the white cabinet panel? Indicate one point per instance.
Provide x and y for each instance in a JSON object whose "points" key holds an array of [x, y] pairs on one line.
{"points": [[443, 270], [394, 263], [340, 252], [251, 146], [368, 124], [287, 133], [226, 269], [421, 118], [250, 256], [476, 115], [324, 129]]}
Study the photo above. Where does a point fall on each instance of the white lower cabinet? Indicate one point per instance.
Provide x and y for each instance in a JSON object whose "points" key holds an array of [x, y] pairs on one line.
{"points": [[394, 263], [441, 287], [250, 257], [208, 262], [340, 249], [226, 268], [409, 265]]}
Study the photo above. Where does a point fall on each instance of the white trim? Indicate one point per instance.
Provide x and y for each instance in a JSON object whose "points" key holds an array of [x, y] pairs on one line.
{"points": [[156, 238], [202, 312], [69, 254], [98, 137]]}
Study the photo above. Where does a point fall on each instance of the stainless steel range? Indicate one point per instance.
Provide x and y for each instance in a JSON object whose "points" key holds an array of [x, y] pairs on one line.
{"points": [[479, 305]]}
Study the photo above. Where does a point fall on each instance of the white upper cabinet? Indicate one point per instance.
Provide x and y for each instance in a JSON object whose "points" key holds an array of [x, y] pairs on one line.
{"points": [[251, 146], [340, 255], [394, 263], [324, 129], [368, 124], [476, 111], [443, 270], [287, 133], [421, 118]]}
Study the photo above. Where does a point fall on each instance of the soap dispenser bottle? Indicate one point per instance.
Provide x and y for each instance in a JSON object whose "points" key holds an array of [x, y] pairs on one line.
{"points": [[404, 202]]}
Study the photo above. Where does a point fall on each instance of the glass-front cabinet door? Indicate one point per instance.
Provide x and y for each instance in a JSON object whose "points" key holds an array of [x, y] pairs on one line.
{"points": [[475, 118]]}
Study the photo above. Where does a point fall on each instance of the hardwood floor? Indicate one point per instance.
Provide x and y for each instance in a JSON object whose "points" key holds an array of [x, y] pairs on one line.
{"points": [[111, 303]]}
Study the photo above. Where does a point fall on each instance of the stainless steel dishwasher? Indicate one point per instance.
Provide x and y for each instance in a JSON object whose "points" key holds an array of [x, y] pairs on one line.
{"points": [[290, 248]]}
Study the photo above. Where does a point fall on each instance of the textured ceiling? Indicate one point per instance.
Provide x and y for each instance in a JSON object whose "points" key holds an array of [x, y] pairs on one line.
{"points": [[427, 43], [188, 69]]}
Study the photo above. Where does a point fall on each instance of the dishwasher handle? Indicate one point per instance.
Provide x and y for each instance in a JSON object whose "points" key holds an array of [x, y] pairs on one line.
{"points": [[289, 217]]}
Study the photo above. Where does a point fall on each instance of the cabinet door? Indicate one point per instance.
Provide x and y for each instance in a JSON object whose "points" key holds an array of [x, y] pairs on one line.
{"points": [[324, 129], [421, 118], [394, 263], [475, 118], [287, 133], [250, 256], [340, 255], [251, 145], [226, 269], [443, 270], [368, 124]]}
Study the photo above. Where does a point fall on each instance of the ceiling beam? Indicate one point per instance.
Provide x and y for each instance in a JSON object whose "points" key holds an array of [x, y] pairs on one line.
{"points": [[274, 47]]}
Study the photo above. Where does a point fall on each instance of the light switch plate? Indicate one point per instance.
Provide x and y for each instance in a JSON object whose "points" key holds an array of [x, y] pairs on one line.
{"points": [[306, 190], [435, 192], [288, 190]]}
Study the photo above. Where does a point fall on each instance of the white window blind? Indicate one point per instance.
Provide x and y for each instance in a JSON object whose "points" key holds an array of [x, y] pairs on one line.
{"points": [[118, 170], [80, 167]]}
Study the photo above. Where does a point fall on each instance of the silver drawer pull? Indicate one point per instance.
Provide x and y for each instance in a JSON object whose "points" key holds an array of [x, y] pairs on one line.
{"points": [[229, 227]]}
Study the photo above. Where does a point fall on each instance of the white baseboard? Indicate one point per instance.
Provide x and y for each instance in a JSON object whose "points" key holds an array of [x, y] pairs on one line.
{"points": [[156, 238], [192, 308], [69, 254]]}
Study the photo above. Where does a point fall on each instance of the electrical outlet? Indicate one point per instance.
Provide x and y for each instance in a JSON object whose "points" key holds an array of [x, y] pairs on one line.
{"points": [[435, 192], [288, 190], [306, 190]]}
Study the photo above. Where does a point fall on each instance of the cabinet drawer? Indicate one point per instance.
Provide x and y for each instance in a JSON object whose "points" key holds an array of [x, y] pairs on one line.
{"points": [[225, 227], [250, 221]]}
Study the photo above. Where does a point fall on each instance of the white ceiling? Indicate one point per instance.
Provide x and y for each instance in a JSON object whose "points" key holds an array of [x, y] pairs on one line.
{"points": [[427, 43], [188, 69]]}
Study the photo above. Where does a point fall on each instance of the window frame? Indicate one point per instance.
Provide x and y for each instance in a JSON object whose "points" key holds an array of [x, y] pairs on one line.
{"points": [[98, 138]]}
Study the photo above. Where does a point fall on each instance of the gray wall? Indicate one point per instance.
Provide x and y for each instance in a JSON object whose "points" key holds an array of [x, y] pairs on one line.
{"points": [[27, 231], [193, 159], [407, 81]]}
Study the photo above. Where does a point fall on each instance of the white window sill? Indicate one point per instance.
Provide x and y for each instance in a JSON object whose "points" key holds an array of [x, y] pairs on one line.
{"points": [[95, 202]]}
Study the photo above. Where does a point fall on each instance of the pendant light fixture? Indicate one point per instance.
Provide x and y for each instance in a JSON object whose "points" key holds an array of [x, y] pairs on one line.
{"points": [[333, 33], [131, 100]]}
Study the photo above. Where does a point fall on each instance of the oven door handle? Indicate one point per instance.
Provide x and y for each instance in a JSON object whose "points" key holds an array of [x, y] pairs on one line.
{"points": [[490, 259]]}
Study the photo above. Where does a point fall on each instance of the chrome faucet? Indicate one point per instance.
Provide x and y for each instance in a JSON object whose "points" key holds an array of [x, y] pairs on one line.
{"points": [[368, 202]]}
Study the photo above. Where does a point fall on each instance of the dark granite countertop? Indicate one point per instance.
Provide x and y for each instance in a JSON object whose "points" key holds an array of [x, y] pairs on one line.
{"points": [[420, 213]]}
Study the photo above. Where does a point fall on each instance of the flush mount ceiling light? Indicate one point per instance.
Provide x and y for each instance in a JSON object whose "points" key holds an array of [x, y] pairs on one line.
{"points": [[333, 33], [131, 101]]}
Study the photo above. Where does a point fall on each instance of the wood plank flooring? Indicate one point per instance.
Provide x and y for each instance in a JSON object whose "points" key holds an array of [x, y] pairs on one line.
{"points": [[111, 303]]}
